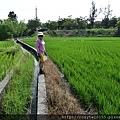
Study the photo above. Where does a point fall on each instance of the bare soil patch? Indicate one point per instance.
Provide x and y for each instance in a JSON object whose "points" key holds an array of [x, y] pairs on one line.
{"points": [[60, 97]]}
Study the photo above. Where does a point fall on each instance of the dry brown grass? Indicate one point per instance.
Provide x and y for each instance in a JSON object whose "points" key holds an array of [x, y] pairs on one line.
{"points": [[60, 100]]}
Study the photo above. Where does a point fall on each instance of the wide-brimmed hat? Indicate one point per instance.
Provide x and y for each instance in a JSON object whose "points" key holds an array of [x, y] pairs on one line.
{"points": [[40, 34]]}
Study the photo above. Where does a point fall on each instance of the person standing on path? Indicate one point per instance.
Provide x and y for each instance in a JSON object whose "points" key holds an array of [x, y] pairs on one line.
{"points": [[40, 45]]}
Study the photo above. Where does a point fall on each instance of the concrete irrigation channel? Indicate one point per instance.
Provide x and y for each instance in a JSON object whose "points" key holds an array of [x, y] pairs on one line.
{"points": [[39, 104]]}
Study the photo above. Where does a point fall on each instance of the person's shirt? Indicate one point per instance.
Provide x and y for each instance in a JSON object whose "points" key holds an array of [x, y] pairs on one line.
{"points": [[40, 45]]}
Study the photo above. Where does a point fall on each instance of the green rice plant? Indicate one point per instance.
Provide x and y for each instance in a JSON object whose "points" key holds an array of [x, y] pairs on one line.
{"points": [[9, 57], [7, 43], [93, 59], [92, 67], [17, 95]]}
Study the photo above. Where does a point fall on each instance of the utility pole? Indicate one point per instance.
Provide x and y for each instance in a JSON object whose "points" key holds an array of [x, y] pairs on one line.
{"points": [[36, 13]]}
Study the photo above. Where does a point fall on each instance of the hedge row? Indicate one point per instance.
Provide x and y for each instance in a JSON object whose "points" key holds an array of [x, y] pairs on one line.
{"points": [[84, 32]]}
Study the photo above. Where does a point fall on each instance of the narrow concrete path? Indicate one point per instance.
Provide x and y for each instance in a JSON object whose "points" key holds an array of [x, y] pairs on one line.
{"points": [[42, 108]]}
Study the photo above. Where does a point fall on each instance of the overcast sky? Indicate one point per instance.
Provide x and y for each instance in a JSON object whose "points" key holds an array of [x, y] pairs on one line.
{"points": [[52, 9]]}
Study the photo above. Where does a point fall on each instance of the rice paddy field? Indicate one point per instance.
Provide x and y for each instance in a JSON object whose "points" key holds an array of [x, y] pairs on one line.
{"points": [[92, 67], [16, 97], [93, 70], [10, 54]]}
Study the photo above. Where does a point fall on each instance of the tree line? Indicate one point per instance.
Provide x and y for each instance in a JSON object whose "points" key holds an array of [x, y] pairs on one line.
{"points": [[11, 28], [91, 22]]}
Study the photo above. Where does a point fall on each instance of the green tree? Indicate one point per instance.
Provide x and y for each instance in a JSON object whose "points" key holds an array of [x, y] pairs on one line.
{"points": [[68, 23], [93, 14], [12, 16], [52, 25], [32, 25], [5, 29], [118, 26], [105, 23], [97, 24], [22, 29], [107, 14], [113, 22], [60, 22], [9, 28], [81, 22]]}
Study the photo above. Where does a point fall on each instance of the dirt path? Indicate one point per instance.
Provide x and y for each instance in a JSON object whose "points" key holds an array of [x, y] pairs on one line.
{"points": [[60, 98]]}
